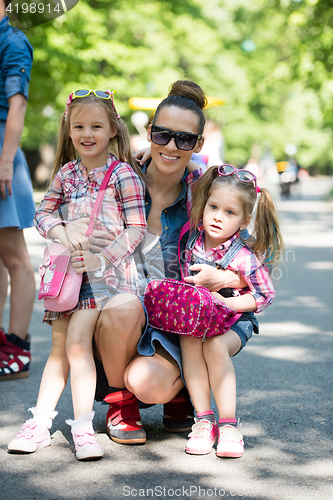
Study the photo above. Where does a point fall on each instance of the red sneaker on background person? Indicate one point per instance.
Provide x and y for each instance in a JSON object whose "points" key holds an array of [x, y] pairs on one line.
{"points": [[123, 418], [15, 356]]}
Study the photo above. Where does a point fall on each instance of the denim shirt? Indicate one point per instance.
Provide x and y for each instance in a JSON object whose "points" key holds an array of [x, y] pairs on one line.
{"points": [[15, 65], [162, 260]]}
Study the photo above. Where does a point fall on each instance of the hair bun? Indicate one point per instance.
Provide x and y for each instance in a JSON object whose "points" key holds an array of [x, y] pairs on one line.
{"points": [[189, 90]]}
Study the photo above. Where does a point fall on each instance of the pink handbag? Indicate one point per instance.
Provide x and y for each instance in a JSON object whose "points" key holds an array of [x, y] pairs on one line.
{"points": [[60, 284]]}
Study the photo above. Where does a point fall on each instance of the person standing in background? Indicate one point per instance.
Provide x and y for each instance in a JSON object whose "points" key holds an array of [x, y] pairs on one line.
{"points": [[17, 207]]}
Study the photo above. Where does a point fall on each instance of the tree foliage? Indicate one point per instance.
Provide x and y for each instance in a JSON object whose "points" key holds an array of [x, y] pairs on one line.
{"points": [[270, 60]]}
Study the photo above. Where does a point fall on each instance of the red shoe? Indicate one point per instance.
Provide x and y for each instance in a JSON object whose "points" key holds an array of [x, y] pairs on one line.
{"points": [[123, 418], [14, 356], [179, 413]]}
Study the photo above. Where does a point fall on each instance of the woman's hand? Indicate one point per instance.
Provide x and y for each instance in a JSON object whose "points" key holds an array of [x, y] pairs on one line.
{"points": [[99, 240], [13, 132], [6, 175], [85, 261], [142, 156], [215, 279], [192, 166]]}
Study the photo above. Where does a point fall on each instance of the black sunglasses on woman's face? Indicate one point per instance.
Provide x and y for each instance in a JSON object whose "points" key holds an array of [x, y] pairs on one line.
{"points": [[183, 140]]}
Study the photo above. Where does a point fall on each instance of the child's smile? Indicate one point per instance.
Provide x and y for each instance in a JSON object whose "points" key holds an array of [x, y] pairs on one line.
{"points": [[90, 131]]}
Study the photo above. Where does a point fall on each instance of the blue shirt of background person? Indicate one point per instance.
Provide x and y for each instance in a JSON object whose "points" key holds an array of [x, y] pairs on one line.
{"points": [[15, 65]]}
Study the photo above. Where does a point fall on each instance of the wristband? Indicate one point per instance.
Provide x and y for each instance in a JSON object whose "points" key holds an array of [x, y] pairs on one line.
{"points": [[100, 273]]}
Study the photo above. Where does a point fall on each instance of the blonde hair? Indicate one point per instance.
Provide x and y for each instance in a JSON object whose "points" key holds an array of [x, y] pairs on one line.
{"points": [[266, 240], [119, 145]]}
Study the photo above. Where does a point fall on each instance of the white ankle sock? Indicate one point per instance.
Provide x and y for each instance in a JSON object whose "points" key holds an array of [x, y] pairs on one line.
{"points": [[84, 421], [43, 418]]}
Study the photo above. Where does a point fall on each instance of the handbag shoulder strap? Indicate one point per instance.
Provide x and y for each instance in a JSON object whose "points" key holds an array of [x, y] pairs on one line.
{"points": [[100, 195]]}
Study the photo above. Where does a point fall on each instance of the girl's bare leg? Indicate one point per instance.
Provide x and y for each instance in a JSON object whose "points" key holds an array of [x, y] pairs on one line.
{"points": [[56, 370], [15, 257], [154, 379], [196, 372], [217, 352], [118, 331], [80, 356]]}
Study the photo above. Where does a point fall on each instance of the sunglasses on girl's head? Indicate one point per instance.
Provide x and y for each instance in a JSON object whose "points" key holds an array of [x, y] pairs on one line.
{"points": [[242, 174], [103, 94], [183, 140]]}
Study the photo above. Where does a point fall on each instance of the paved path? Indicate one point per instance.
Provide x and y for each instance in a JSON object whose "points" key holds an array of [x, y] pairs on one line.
{"points": [[284, 379]]}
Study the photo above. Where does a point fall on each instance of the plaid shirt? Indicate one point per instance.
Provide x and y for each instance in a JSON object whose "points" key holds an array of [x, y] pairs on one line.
{"points": [[246, 262], [74, 193]]}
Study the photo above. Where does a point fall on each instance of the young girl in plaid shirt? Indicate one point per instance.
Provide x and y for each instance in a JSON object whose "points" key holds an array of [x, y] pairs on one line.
{"points": [[223, 200], [90, 129]]}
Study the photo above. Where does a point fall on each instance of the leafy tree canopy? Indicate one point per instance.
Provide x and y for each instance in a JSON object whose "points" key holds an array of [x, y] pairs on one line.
{"points": [[270, 60]]}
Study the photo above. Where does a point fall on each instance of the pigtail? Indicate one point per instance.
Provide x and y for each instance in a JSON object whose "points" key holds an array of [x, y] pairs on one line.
{"points": [[267, 237], [120, 146], [200, 192]]}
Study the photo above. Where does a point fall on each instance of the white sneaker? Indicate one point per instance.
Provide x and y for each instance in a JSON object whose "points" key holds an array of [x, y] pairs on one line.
{"points": [[86, 446], [230, 442], [30, 437], [202, 438]]}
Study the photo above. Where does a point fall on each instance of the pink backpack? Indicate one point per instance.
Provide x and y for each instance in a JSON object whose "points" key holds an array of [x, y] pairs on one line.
{"points": [[181, 308]]}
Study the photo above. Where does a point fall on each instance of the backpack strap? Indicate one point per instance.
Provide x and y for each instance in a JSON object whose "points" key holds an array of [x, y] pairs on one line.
{"points": [[184, 230], [235, 247], [100, 195]]}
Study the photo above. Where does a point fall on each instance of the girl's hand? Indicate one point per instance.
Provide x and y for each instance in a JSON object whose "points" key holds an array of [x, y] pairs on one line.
{"points": [[77, 241], [142, 156], [219, 297], [85, 261], [77, 234], [78, 225], [241, 303], [215, 279]]}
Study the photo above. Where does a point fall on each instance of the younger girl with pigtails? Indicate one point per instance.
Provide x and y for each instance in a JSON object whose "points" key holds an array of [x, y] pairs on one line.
{"points": [[92, 137], [223, 201]]}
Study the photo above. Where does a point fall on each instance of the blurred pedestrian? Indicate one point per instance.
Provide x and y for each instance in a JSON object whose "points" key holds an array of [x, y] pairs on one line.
{"points": [[17, 206]]}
